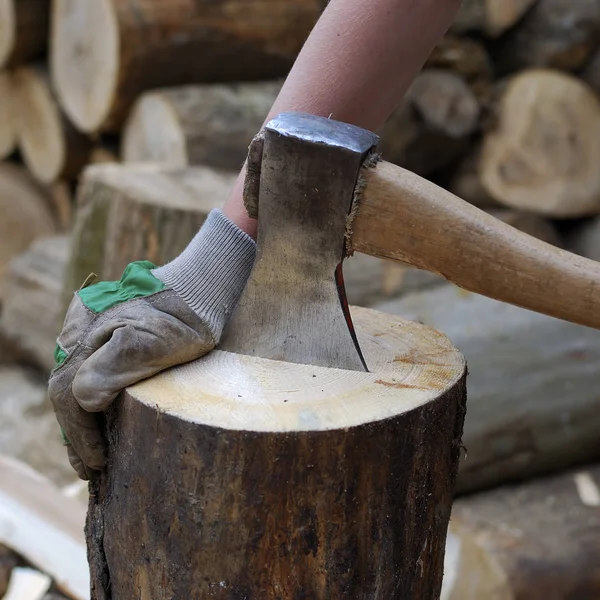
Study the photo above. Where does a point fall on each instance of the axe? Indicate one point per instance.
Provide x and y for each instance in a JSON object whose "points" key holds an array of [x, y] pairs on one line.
{"points": [[320, 192]]}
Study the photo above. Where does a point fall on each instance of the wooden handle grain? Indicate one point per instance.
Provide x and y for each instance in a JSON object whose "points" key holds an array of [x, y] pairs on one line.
{"points": [[406, 218]]}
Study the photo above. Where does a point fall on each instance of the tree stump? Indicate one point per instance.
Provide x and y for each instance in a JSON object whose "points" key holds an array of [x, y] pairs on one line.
{"points": [[240, 477], [105, 53]]}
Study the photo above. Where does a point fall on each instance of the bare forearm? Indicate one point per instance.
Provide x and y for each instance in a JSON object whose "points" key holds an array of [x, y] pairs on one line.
{"points": [[356, 65]]}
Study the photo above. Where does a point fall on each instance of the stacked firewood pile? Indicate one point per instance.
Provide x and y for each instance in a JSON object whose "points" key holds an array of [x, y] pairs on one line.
{"points": [[122, 124]]}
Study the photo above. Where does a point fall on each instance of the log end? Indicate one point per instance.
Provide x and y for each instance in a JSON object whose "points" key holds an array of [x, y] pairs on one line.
{"points": [[7, 30], [84, 59], [153, 133], [39, 128], [542, 155]]}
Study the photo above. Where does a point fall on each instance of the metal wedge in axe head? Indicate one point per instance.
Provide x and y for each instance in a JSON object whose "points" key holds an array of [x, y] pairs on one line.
{"points": [[321, 192]]}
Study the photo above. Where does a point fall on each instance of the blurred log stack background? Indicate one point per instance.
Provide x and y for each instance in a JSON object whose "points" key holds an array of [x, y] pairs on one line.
{"points": [[123, 123]]}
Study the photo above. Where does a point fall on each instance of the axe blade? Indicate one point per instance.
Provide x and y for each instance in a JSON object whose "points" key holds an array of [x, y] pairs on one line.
{"points": [[294, 307]]}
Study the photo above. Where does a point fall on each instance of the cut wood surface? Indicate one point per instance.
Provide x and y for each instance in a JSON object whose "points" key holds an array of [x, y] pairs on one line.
{"points": [[23, 30], [43, 526], [543, 151], [401, 216], [431, 126], [8, 131], [536, 541], [534, 400], [197, 125], [138, 212], [51, 147], [25, 211], [559, 34], [492, 17], [105, 53], [306, 481], [32, 311]]}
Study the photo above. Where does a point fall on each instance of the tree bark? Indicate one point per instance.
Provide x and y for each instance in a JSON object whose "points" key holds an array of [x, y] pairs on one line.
{"points": [[541, 153], [8, 133], [52, 148], [537, 541], [491, 17], [143, 212], [533, 385], [338, 485], [32, 312], [105, 53], [23, 31], [433, 124], [557, 34], [198, 125], [26, 214]]}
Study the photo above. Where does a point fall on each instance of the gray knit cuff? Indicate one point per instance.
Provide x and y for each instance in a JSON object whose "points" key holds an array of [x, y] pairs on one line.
{"points": [[211, 273]]}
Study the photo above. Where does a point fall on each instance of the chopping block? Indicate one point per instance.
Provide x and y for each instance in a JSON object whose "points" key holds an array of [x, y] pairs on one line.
{"points": [[313, 454]]}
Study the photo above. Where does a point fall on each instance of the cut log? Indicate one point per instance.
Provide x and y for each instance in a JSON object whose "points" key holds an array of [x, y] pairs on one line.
{"points": [[305, 482], [537, 541], [52, 148], [431, 127], [492, 17], [105, 53], [23, 30], [194, 125], [8, 131], [533, 224], [32, 311], [25, 211], [534, 402], [559, 34], [467, 58], [542, 154], [43, 526], [61, 195], [138, 212]]}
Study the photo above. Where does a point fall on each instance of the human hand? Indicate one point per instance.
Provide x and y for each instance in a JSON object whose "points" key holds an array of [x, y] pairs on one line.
{"points": [[120, 332]]}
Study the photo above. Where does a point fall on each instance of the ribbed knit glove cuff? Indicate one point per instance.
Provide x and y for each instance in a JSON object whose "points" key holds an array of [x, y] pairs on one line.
{"points": [[210, 274]]}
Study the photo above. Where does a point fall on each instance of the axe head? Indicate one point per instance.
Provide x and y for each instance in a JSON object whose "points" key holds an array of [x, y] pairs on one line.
{"points": [[302, 173]]}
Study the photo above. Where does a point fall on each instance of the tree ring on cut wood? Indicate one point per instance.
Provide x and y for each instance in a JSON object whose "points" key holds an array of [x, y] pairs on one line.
{"points": [[84, 64], [240, 477]]}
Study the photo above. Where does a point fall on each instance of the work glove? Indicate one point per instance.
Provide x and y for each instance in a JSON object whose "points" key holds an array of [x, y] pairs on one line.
{"points": [[119, 332]]}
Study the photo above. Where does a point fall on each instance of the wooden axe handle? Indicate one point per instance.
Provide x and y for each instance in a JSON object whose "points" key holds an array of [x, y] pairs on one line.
{"points": [[403, 217]]}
